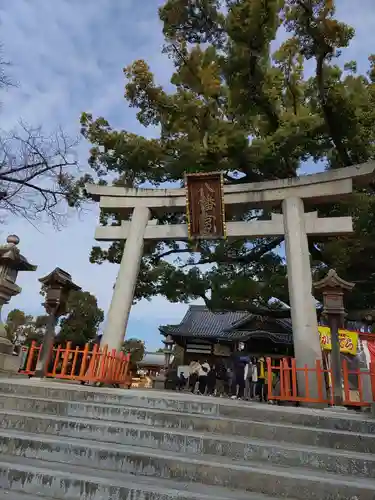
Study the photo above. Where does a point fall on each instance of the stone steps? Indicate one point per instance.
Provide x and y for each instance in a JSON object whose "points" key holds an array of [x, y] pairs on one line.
{"points": [[188, 442], [22, 477], [118, 401], [12, 495], [149, 445], [208, 470], [141, 464], [111, 415]]}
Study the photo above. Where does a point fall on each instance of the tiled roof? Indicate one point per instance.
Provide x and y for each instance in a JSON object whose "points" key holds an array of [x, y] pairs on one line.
{"points": [[201, 322], [277, 338], [285, 323]]}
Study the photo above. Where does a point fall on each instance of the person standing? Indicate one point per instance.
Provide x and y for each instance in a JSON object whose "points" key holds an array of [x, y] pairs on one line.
{"points": [[211, 381], [181, 382], [239, 379], [202, 377], [194, 368], [221, 377], [229, 382], [248, 380], [254, 378], [261, 379], [269, 377]]}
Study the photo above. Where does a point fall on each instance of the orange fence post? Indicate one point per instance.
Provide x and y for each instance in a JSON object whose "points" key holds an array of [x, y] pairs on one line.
{"points": [[127, 370], [307, 384], [123, 370], [126, 358], [95, 364], [92, 371], [113, 367], [112, 370], [372, 378], [66, 358], [56, 362], [30, 357], [117, 369], [103, 363], [38, 350], [330, 376], [286, 371], [82, 371], [282, 381], [294, 378], [345, 373], [107, 368], [120, 367], [269, 379], [319, 379]]}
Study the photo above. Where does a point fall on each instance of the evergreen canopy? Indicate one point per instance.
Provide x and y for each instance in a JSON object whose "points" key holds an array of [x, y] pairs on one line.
{"points": [[256, 114]]}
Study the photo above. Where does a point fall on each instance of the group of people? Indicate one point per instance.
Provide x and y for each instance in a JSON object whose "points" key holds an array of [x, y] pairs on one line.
{"points": [[242, 378]]}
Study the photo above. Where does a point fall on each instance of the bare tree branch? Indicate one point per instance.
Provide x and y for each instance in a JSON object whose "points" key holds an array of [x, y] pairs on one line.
{"points": [[5, 81], [38, 174]]}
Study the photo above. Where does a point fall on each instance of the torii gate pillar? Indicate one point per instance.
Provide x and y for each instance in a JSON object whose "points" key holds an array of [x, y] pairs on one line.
{"points": [[302, 303], [123, 293]]}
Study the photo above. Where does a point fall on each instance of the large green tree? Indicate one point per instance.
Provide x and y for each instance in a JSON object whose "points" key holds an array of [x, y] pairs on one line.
{"points": [[136, 349], [23, 329], [254, 112], [16, 323], [81, 323]]}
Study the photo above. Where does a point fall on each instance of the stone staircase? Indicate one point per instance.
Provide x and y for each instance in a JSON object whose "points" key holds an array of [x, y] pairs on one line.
{"points": [[63, 441]]}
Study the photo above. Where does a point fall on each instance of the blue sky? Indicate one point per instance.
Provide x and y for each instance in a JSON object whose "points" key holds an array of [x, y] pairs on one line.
{"points": [[67, 56]]}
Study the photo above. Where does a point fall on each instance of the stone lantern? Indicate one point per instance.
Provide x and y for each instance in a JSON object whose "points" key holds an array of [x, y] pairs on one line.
{"points": [[333, 288], [56, 287], [11, 262], [168, 342]]}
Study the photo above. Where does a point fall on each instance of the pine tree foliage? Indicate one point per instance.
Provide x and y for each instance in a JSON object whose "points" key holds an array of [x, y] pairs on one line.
{"points": [[256, 111]]}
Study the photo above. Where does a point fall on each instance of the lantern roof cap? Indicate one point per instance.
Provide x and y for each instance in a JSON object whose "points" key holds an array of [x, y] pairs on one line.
{"points": [[11, 256], [333, 280], [60, 277]]}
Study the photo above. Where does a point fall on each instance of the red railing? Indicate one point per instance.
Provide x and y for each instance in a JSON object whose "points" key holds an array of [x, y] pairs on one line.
{"points": [[287, 374], [83, 365]]}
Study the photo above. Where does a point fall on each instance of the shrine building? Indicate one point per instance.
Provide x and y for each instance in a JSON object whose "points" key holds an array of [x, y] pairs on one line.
{"points": [[204, 334]]}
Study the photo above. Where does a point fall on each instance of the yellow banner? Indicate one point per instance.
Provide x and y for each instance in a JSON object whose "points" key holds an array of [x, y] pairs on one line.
{"points": [[348, 340]]}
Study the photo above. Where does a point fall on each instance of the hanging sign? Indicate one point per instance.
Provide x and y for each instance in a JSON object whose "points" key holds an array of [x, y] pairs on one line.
{"points": [[348, 340], [205, 206], [222, 350]]}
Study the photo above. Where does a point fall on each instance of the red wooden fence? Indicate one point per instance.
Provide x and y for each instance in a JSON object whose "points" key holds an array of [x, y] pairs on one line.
{"points": [[287, 373], [84, 365]]}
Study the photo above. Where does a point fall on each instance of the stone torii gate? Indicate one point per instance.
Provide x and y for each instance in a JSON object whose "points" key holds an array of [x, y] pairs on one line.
{"points": [[294, 223]]}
